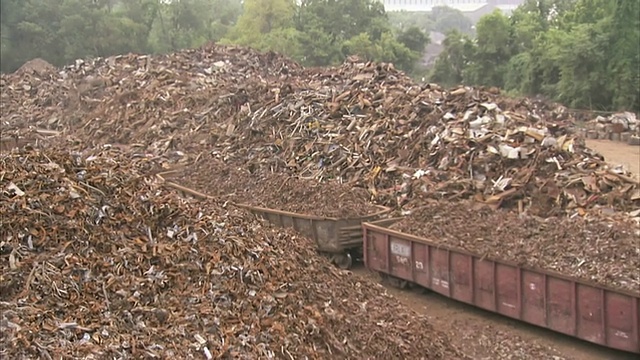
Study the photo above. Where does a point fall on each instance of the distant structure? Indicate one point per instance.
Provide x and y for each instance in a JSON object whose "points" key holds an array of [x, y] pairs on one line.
{"points": [[465, 6]]}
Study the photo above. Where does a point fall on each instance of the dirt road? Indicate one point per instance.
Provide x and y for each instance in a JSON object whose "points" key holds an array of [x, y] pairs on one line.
{"points": [[477, 331], [618, 153]]}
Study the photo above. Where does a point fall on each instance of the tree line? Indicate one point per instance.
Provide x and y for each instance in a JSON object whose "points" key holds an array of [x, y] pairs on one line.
{"points": [[584, 53], [314, 32], [61, 31]]}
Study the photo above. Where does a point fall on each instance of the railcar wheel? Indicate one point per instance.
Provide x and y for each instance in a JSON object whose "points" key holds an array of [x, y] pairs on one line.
{"points": [[343, 261], [420, 289], [396, 282], [404, 284]]}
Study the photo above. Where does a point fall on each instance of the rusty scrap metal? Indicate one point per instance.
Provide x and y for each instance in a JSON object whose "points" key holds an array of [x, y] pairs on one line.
{"points": [[100, 261], [606, 253]]}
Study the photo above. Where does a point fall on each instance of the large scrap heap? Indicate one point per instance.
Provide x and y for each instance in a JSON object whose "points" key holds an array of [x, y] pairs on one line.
{"points": [[100, 262], [365, 124], [99, 259]]}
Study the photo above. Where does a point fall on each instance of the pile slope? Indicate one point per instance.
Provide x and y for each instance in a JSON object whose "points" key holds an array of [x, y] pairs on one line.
{"points": [[362, 123], [233, 182], [98, 261]]}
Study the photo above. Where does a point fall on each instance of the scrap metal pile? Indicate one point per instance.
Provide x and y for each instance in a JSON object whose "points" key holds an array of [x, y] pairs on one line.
{"points": [[618, 127], [596, 251], [273, 190], [489, 342], [101, 258], [165, 102], [99, 261], [361, 123]]}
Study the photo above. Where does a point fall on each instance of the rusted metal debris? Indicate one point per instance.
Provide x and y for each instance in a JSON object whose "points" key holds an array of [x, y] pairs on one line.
{"points": [[140, 98], [603, 248], [37, 66], [617, 127], [361, 123], [601, 252], [100, 261], [233, 182], [484, 341]]}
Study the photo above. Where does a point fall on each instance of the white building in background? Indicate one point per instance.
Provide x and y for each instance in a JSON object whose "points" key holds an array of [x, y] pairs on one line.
{"points": [[462, 5]]}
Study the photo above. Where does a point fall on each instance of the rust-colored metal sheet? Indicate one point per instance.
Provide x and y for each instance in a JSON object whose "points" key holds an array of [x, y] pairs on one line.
{"points": [[332, 235], [590, 312]]}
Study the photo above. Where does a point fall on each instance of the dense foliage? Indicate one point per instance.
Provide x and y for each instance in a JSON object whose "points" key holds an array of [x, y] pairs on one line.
{"points": [[314, 32], [585, 53], [323, 32], [60, 31]]}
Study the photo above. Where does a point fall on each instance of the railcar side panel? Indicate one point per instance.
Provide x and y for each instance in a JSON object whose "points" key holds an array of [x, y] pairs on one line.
{"points": [[586, 311]]}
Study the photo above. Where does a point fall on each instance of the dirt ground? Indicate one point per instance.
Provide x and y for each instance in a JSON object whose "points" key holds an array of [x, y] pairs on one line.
{"points": [[468, 322], [618, 153]]}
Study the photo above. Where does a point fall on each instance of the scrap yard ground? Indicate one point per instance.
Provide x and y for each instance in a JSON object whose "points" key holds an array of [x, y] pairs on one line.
{"points": [[618, 153], [112, 262], [479, 331]]}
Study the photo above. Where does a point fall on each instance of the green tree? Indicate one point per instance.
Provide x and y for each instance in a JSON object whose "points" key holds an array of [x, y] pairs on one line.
{"points": [[397, 53], [493, 50], [319, 48], [191, 23], [387, 49], [29, 31], [326, 25], [414, 39], [283, 41], [260, 23], [451, 65], [584, 53], [263, 16], [624, 57], [61, 30], [343, 19]]}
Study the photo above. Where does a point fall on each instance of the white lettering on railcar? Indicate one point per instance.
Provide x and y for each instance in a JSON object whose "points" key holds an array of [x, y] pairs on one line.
{"points": [[509, 305], [419, 265], [400, 249], [532, 286], [402, 260], [621, 334], [443, 283]]}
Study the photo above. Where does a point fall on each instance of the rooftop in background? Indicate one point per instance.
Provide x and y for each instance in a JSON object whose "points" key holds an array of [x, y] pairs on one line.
{"points": [[462, 5]]}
